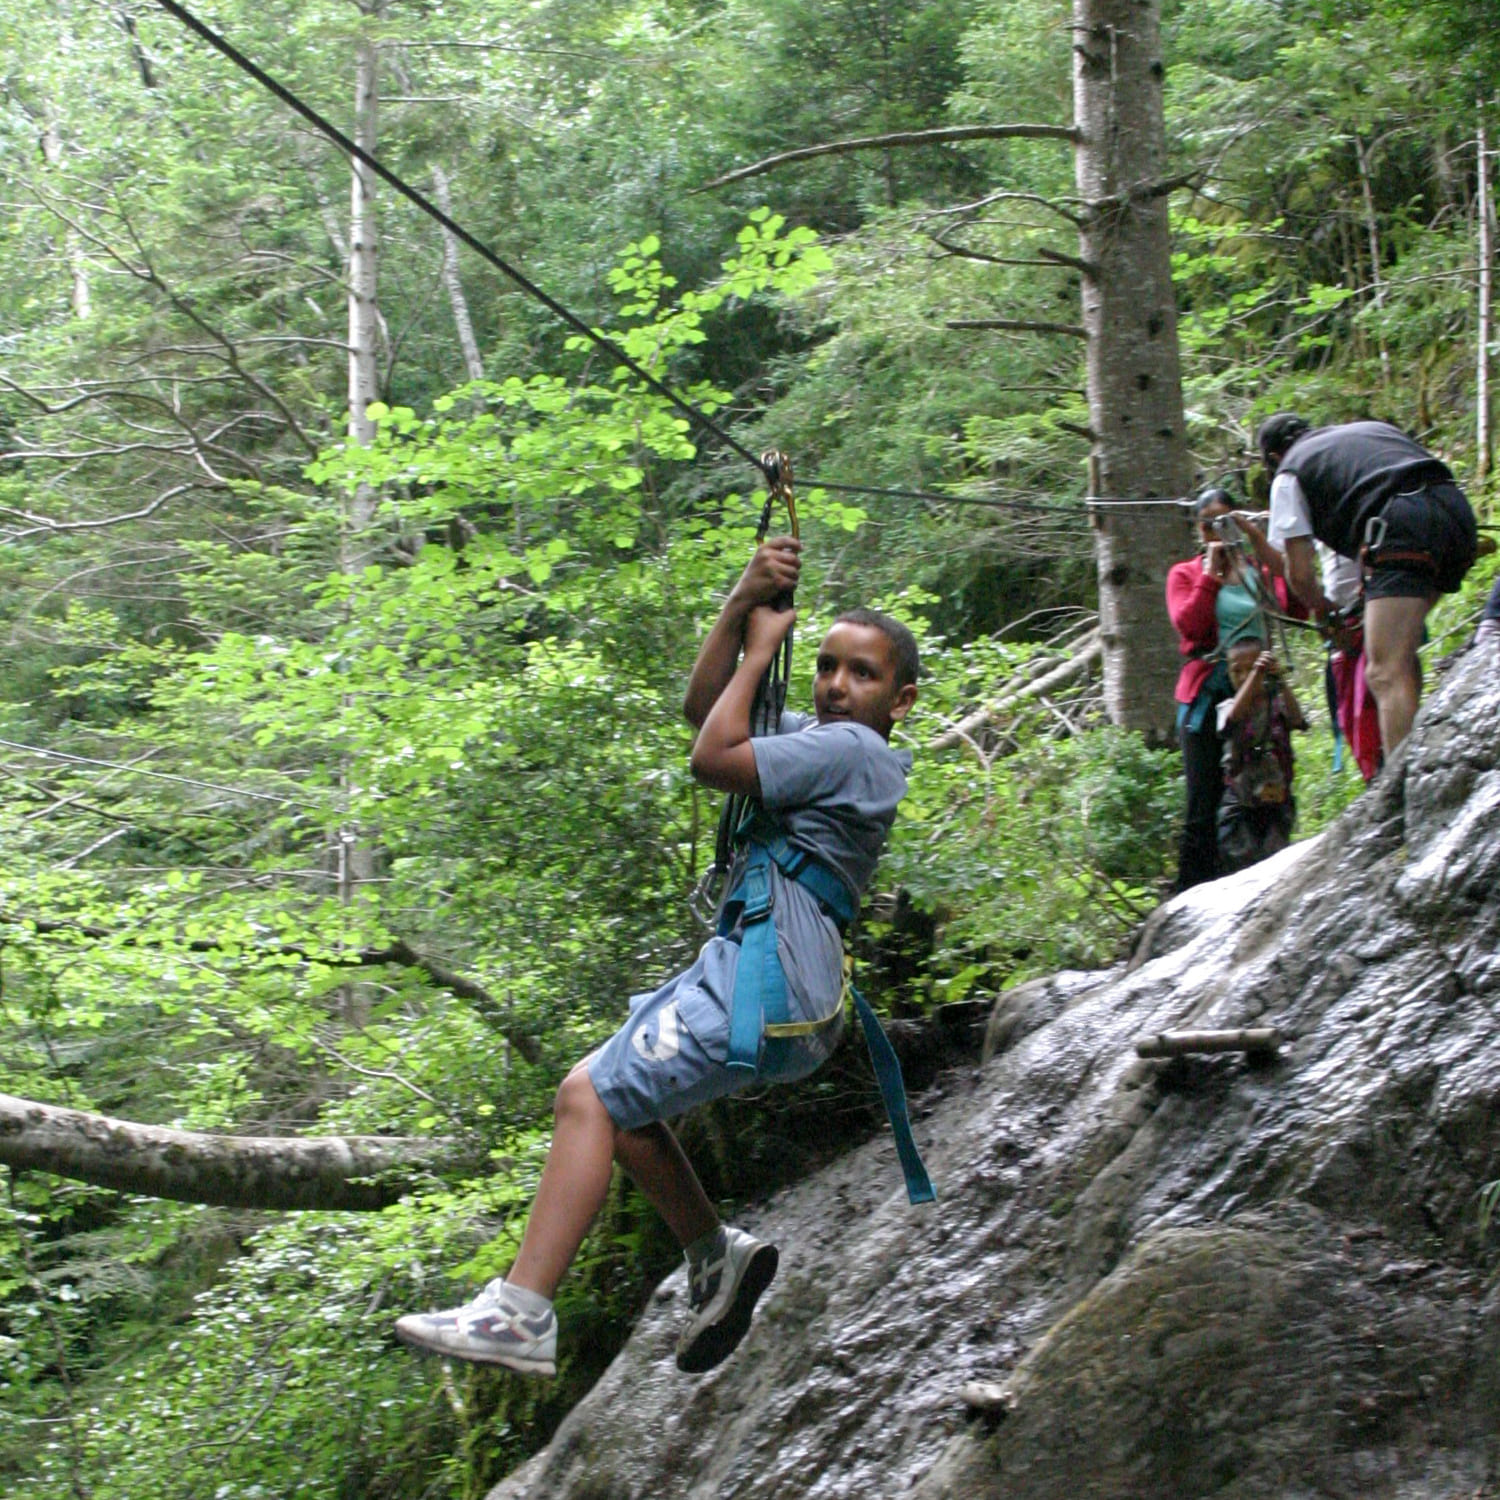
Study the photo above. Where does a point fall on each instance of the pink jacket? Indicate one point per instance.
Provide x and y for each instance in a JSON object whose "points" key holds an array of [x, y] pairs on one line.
{"points": [[1191, 597]]}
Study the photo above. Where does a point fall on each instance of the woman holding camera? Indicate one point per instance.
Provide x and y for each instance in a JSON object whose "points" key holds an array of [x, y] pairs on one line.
{"points": [[1214, 599]]}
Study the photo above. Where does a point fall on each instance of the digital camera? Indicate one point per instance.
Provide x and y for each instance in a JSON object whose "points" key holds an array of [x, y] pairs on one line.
{"points": [[1226, 529]]}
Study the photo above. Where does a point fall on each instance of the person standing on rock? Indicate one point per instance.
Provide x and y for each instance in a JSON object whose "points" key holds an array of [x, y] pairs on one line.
{"points": [[1371, 493], [1213, 600], [823, 793]]}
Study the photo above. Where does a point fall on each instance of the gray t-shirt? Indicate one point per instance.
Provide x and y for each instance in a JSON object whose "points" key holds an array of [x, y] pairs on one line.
{"points": [[832, 790]]}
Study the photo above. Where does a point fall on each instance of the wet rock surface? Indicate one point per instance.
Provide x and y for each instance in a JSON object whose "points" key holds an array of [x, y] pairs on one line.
{"points": [[1199, 1276]]}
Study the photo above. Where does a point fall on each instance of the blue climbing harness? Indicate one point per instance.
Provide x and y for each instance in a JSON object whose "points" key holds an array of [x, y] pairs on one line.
{"points": [[760, 1024]]}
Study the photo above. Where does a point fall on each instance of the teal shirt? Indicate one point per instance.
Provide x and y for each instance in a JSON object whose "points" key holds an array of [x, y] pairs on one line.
{"points": [[1237, 611]]}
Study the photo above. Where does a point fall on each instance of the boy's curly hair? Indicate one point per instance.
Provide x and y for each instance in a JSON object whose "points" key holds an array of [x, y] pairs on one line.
{"points": [[903, 642]]}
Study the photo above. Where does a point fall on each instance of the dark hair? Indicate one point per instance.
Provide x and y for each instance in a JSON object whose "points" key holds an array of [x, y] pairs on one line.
{"points": [[903, 642], [1213, 495], [1278, 433]]}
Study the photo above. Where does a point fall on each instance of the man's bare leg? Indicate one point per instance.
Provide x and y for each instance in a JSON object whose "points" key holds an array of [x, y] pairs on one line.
{"points": [[1393, 635]]}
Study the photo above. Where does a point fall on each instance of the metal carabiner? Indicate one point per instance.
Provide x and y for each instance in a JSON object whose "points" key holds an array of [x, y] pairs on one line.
{"points": [[777, 468]]}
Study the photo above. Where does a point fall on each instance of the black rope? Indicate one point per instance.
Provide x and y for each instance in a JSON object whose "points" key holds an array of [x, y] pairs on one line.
{"points": [[766, 707], [343, 142]]}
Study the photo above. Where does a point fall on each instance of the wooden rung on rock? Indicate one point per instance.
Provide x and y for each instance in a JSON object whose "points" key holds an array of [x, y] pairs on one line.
{"points": [[1260, 1039]]}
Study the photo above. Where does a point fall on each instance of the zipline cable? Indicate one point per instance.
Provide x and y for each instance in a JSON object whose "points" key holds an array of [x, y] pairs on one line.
{"points": [[350, 148]]}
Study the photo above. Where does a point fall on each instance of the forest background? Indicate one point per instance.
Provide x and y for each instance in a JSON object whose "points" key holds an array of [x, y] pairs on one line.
{"points": [[345, 785]]}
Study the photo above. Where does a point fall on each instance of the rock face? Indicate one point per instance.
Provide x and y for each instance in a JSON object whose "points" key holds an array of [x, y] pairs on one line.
{"points": [[1204, 1276]]}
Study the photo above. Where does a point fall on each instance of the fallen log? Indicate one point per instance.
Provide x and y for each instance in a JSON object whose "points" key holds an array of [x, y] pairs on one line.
{"points": [[341, 1173]]}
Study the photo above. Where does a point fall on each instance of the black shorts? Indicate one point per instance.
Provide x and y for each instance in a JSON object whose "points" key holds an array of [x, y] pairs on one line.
{"points": [[1430, 541]]}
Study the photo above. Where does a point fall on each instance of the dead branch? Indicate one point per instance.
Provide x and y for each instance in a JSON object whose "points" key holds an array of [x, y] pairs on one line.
{"points": [[41, 524], [1089, 650], [1261, 1039], [1006, 196], [941, 135], [1019, 325]]}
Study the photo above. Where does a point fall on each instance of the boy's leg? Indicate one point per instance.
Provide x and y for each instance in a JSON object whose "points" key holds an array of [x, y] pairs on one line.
{"points": [[658, 1166], [511, 1322], [575, 1181], [728, 1270]]}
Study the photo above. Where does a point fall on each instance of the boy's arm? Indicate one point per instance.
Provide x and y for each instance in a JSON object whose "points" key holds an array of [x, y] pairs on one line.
{"points": [[723, 757], [770, 573], [1249, 690]]}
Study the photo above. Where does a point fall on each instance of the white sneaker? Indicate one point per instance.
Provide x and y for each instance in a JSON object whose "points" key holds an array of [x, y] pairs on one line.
{"points": [[491, 1330], [722, 1292]]}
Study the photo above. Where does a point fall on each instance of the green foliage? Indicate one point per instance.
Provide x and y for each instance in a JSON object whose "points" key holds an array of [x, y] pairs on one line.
{"points": [[474, 701]]}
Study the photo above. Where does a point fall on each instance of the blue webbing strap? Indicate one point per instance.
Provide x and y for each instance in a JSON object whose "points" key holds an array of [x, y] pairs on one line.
{"points": [[919, 1187], [759, 984], [760, 987]]}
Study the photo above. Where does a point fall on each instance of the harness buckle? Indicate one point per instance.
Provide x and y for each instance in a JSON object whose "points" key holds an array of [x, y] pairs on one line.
{"points": [[756, 895]]}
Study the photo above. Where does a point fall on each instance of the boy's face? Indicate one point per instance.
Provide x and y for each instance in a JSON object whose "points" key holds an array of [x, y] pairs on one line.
{"points": [[1242, 660], [855, 680]]}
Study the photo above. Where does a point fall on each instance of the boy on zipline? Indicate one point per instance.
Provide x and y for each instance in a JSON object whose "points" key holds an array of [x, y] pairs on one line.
{"points": [[824, 792]]}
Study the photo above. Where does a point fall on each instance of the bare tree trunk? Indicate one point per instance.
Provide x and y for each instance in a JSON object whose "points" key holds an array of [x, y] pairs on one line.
{"points": [[364, 245], [1372, 236], [355, 859], [1134, 378], [1483, 437], [454, 284]]}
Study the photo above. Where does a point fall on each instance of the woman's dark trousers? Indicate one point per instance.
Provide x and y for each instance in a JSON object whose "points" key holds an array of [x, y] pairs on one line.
{"points": [[1202, 763]]}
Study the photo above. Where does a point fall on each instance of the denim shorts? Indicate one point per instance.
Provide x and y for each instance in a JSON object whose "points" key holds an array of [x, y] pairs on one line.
{"points": [[672, 1052]]}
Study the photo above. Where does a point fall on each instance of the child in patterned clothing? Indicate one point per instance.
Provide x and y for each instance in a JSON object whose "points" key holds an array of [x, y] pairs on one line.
{"points": [[1258, 811]]}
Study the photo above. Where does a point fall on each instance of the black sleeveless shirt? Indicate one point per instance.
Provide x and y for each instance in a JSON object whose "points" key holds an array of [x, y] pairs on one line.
{"points": [[1348, 473]]}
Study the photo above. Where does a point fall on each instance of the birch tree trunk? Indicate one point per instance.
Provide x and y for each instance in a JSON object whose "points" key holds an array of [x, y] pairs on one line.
{"points": [[80, 298], [1362, 155], [453, 283], [1134, 380], [355, 858], [364, 246]]}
